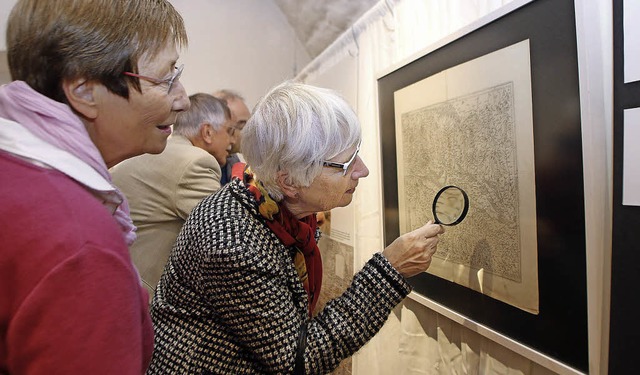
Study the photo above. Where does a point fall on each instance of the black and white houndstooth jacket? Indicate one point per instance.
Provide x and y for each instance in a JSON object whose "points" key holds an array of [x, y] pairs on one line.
{"points": [[231, 302]]}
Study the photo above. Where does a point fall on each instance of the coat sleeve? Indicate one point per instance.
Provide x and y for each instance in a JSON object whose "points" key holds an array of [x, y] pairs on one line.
{"points": [[264, 305], [88, 315]]}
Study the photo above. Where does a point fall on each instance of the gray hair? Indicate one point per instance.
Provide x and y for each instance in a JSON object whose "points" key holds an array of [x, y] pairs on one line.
{"points": [[228, 95], [204, 108], [294, 127]]}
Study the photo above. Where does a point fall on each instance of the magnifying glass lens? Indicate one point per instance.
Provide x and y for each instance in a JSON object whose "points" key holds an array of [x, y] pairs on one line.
{"points": [[450, 205]]}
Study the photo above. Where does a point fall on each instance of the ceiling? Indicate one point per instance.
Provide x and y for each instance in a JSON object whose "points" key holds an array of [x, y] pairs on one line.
{"points": [[318, 23]]}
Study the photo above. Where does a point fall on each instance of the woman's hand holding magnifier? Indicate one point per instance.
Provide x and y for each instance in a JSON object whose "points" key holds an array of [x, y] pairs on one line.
{"points": [[411, 253]]}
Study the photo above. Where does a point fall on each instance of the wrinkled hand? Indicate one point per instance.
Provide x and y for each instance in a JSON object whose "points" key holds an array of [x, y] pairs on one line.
{"points": [[411, 253]]}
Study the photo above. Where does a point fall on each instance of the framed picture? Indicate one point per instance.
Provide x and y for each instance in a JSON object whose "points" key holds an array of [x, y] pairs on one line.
{"points": [[497, 113]]}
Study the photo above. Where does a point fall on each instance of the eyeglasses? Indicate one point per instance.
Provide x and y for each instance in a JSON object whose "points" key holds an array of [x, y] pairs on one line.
{"points": [[231, 129], [343, 166], [169, 81]]}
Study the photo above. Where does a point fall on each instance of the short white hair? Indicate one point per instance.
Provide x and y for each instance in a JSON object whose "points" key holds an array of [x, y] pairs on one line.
{"points": [[293, 128]]}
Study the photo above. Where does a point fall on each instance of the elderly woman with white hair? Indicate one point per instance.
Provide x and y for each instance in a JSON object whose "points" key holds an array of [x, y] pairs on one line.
{"points": [[239, 291]]}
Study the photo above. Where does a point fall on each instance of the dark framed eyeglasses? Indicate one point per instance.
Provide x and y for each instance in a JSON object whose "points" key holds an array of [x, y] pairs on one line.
{"points": [[343, 166], [169, 81]]}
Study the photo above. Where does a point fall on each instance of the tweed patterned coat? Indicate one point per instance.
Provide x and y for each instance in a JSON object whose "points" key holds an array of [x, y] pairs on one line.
{"points": [[230, 300]]}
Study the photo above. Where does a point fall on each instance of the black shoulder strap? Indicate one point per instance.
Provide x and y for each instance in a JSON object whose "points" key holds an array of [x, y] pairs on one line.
{"points": [[302, 344]]}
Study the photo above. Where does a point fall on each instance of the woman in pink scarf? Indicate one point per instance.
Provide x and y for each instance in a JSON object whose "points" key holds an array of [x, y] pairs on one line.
{"points": [[95, 82]]}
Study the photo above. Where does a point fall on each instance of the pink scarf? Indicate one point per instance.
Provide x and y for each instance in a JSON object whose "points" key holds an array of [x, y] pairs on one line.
{"points": [[56, 124]]}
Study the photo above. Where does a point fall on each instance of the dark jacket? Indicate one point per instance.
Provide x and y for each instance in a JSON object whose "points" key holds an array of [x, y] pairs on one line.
{"points": [[231, 302]]}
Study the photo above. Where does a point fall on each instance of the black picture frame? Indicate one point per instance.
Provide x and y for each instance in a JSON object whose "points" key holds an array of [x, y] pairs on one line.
{"points": [[560, 330]]}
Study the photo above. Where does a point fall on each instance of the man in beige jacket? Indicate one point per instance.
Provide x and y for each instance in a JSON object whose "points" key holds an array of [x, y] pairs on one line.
{"points": [[163, 189]]}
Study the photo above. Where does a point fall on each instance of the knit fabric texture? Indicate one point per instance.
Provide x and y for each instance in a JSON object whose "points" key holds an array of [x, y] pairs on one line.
{"points": [[230, 300]]}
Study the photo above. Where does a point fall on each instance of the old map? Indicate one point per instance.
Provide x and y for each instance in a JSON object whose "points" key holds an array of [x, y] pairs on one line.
{"points": [[471, 126], [468, 141]]}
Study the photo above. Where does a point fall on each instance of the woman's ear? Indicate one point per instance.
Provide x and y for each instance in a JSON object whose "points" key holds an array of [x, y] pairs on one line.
{"points": [[81, 95], [286, 187]]}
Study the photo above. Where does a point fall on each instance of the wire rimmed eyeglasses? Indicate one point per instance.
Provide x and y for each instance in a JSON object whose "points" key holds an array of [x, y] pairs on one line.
{"points": [[343, 166], [231, 129], [168, 81]]}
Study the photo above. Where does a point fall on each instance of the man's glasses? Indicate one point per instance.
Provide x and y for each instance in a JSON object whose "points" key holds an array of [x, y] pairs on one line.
{"points": [[343, 166], [231, 129], [169, 81]]}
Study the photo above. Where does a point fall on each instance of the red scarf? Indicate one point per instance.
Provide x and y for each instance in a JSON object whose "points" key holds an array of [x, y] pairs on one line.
{"points": [[291, 231]]}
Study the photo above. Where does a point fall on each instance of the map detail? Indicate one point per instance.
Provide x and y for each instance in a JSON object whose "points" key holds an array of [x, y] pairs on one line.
{"points": [[469, 142]]}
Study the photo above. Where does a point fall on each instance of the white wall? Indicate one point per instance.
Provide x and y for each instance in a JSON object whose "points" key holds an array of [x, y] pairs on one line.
{"points": [[245, 45], [5, 9]]}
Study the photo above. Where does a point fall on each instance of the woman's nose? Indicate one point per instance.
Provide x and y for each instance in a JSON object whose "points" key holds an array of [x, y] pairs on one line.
{"points": [[360, 169], [181, 100]]}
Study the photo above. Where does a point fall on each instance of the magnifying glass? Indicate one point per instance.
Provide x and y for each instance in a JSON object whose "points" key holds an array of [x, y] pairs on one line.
{"points": [[450, 205]]}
